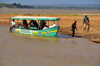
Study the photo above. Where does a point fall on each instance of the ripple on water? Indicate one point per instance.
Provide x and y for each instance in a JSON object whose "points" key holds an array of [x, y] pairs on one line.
{"points": [[24, 50]]}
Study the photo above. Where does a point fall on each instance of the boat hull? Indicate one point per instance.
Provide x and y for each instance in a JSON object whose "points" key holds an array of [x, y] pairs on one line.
{"points": [[51, 32]]}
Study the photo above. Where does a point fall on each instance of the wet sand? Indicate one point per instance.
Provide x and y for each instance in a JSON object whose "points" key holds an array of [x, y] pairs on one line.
{"points": [[65, 24]]}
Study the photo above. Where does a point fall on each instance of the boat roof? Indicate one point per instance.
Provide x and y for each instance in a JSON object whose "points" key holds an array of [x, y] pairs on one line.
{"points": [[35, 18]]}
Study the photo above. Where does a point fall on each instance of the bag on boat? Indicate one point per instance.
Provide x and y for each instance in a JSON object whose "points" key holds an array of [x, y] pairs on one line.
{"points": [[54, 25], [45, 28]]}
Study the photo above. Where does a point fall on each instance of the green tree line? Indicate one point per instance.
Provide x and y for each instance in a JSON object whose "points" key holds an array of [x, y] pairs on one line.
{"points": [[15, 5]]}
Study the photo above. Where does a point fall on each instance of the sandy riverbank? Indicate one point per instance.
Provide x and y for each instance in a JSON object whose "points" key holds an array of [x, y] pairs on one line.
{"points": [[65, 24]]}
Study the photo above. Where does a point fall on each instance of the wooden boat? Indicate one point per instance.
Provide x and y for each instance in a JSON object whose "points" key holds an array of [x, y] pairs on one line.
{"points": [[50, 32], [95, 40]]}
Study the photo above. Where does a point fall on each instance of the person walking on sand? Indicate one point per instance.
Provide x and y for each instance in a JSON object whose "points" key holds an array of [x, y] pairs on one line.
{"points": [[84, 21], [88, 23], [12, 25], [73, 28]]}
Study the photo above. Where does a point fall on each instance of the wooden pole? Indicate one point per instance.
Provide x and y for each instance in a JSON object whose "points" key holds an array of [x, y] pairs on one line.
{"points": [[48, 23], [54, 22], [17, 22], [58, 22], [38, 24]]}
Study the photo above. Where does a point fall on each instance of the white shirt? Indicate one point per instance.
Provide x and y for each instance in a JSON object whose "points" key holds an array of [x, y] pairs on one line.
{"points": [[12, 23]]}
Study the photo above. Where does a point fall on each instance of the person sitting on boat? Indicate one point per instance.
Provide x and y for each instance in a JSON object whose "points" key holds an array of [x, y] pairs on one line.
{"points": [[19, 24], [45, 26], [25, 24], [42, 25], [33, 23], [12, 25]]}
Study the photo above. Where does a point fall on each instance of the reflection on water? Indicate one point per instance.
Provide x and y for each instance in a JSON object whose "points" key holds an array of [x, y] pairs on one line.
{"points": [[24, 50]]}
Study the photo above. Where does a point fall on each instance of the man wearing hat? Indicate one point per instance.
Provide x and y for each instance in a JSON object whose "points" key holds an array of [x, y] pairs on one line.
{"points": [[84, 21]]}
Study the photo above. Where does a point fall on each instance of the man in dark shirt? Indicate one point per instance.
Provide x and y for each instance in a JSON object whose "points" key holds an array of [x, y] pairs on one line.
{"points": [[73, 28]]}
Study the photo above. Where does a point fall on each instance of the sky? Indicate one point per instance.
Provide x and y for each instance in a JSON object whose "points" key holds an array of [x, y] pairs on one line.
{"points": [[37, 2]]}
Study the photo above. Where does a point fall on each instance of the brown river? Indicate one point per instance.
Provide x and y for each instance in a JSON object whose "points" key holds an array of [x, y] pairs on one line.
{"points": [[24, 50]]}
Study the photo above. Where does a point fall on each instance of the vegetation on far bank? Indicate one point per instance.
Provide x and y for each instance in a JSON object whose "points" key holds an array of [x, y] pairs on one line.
{"points": [[24, 14], [15, 5], [71, 14]]}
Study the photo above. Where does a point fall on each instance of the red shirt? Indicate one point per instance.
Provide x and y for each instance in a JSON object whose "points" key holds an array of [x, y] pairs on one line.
{"points": [[25, 25]]}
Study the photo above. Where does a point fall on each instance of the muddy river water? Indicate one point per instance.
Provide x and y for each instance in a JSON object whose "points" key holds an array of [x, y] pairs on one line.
{"points": [[24, 50]]}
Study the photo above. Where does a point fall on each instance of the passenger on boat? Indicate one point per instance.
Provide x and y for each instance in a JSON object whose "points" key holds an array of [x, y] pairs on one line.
{"points": [[25, 24], [19, 24], [12, 25], [33, 23], [42, 25]]}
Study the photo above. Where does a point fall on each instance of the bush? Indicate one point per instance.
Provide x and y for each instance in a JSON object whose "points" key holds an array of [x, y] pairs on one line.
{"points": [[74, 14]]}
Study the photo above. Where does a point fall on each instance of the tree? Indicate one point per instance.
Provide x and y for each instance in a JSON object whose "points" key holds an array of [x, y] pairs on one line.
{"points": [[14, 4], [19, 5]]}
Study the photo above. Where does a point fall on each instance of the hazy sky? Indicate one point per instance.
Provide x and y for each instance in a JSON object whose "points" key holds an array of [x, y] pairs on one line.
{"points": [[32, 2]]}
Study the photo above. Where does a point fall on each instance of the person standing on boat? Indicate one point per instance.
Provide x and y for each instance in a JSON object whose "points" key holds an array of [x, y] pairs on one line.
{"points": [[73, 28], [12, 25], [84, 22]]}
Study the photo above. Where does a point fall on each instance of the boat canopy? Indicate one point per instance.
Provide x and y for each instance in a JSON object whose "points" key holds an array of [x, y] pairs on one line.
{"points": [[35, 18]]}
